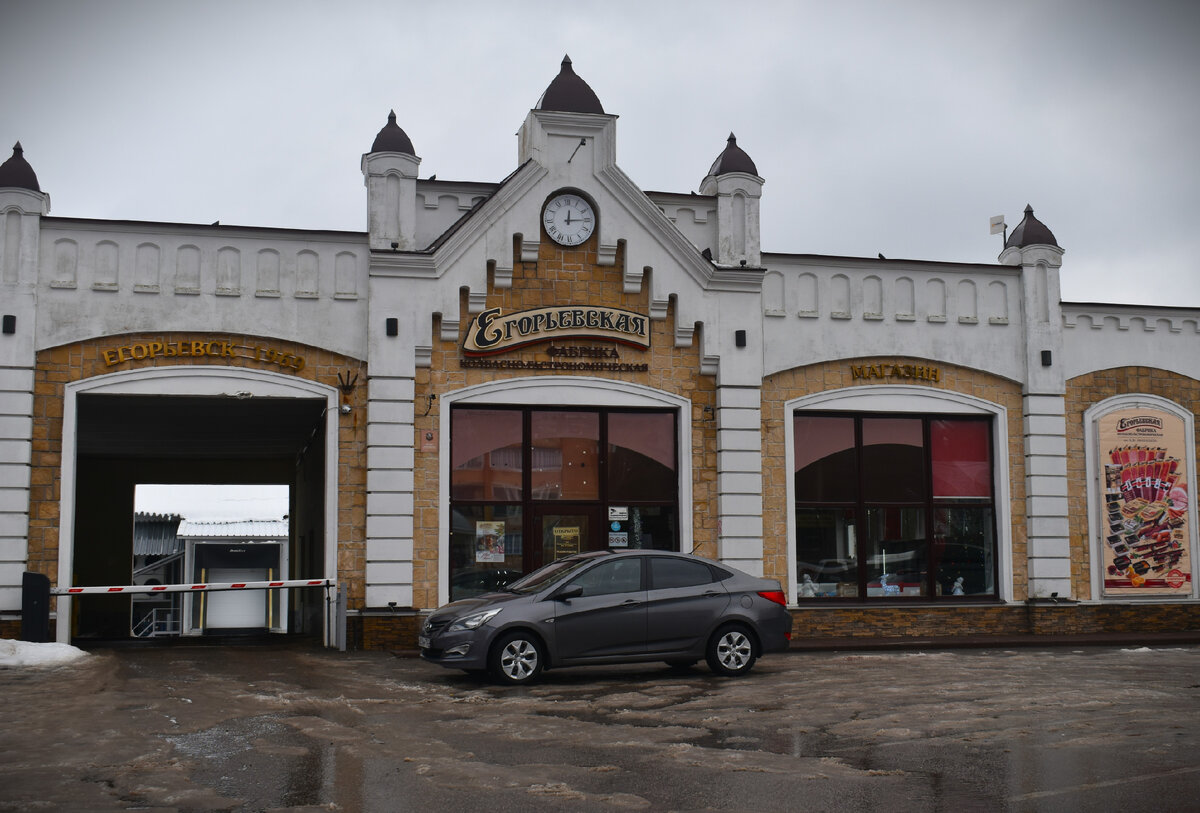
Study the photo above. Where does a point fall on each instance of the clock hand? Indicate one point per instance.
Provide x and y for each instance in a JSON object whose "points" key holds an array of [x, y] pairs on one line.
{"points": [[568, 217]]}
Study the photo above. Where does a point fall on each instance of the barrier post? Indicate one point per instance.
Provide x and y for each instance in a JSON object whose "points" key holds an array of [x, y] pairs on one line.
{"points": [[341, 620], [35, 608]]}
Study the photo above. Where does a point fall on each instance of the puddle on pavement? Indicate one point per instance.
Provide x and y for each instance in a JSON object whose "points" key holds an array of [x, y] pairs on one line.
{"points": [[262, 761]]}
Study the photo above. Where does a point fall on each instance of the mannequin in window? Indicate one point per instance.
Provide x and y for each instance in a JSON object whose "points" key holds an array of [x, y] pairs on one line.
{"points": [[807, 588]]}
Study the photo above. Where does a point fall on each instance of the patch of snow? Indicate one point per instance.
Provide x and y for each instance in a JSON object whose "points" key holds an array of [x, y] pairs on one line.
{"points": [[24, 653], [1139, 649]]}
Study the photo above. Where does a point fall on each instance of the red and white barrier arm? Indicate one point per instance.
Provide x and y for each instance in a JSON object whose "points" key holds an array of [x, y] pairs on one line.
{"points": [[190, 588]]}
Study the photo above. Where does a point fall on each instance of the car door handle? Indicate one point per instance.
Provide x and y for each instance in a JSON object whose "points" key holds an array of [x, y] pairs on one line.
{"points": [[629, 602]]}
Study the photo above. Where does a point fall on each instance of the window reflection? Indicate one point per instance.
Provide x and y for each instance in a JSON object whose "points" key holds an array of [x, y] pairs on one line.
{"points": [[867, 490], [485, 454], [566, 456]]}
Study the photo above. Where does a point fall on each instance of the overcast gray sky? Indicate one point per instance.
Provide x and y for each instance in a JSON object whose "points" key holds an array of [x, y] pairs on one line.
{"points": [[203, 502], [880, 127]]}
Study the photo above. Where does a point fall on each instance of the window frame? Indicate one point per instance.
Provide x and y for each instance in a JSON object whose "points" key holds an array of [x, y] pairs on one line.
{"points": [[530, 505], [929, 507]]}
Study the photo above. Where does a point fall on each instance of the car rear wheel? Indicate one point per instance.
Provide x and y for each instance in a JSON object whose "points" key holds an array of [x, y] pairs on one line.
{"points": [[731, 651], [516, 658]]}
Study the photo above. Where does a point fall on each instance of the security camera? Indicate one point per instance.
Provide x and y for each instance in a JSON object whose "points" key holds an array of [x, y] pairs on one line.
{"points": [[344, 409]]}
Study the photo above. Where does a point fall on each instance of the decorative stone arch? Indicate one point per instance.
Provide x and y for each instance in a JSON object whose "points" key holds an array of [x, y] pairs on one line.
{"points": [[1095, 497], [917, 401], [556, 391], [199, 381]]}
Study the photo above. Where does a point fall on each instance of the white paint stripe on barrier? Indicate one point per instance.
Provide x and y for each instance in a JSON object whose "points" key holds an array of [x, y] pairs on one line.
{"points": [[189, 588]]}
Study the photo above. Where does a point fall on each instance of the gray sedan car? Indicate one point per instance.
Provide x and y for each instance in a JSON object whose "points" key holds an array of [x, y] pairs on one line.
{"points": [[613, 607]]}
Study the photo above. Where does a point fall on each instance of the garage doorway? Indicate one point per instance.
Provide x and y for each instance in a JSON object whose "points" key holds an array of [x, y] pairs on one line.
{"points": [[201, 428]]}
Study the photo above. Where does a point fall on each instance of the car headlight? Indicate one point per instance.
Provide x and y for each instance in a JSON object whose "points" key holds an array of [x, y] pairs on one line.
{"points": [[474, 620]]}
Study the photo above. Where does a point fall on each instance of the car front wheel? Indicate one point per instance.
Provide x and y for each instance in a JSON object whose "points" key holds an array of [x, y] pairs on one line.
{"points": [[516, 658], [731, 651]]}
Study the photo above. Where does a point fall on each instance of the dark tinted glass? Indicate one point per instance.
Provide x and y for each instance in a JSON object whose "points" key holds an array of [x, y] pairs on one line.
{"points": [[826, 469], [893, 460], [669, 572], [641, 456], [606, 578]]}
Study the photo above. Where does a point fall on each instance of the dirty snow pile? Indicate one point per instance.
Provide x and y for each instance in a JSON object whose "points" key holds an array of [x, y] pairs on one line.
{"points": [[24, 653]]}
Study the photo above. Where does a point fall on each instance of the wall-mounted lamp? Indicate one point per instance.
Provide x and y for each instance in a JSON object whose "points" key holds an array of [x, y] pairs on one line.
{"points": [[1046, 359], [10, 323], [347, 383], [739, 338], [429, 399], [393, 326]]}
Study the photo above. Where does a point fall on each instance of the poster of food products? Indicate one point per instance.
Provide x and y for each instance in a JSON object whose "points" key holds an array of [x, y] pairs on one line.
{"points": [[1144, 516]]}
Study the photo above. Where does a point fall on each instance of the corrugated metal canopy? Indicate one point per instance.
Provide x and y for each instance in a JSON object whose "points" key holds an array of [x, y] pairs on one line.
{"points": [[235, 529], [156, 534]]}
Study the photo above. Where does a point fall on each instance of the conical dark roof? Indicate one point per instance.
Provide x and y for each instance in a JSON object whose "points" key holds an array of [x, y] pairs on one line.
{"points": [[732, 159], [16, 172], [569, 94], [1030, 231], [393, 139]]}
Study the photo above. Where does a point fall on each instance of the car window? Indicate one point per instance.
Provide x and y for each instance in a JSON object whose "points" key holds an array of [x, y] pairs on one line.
{"points": [[552, 573], [666, 572], [617, 576]]}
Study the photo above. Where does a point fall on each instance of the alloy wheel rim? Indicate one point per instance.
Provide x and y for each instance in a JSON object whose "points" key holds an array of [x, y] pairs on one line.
{"points": [[519, 659], [734, 650]]}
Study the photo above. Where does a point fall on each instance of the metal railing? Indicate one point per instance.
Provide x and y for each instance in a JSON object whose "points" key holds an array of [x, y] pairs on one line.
{"points": [[158, 622]]}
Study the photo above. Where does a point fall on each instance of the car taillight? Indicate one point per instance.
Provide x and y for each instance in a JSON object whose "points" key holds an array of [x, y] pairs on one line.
{"points": [[775, 596]]}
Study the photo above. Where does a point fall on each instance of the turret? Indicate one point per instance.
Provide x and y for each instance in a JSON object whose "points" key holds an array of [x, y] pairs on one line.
{"points": [[22, 203], [1032, 246], [568, 131], [734, 179], [390, 175]]}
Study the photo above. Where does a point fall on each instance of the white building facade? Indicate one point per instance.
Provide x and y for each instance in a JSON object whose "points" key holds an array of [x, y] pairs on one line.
{"points": [[495, 374]]}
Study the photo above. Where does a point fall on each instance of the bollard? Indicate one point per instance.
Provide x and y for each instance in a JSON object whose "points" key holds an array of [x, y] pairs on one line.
{"points": [[35, 608]]}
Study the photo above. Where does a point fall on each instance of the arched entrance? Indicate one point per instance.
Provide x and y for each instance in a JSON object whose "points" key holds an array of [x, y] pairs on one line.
{"points": [[188, 425]]}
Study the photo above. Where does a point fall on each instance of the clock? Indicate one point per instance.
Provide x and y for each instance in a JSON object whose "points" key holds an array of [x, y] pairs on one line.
{"points": [[569, 219]]}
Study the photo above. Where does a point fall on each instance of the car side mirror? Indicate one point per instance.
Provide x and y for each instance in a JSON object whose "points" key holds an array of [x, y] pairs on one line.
{"points": [[570, 592]]}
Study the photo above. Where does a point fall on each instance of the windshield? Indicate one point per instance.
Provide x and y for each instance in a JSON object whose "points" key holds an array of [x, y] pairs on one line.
{"points": [[552, 573]]}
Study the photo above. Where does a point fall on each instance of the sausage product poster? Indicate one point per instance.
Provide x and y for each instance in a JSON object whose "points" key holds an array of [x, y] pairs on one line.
{"points": [[1144, 516]]}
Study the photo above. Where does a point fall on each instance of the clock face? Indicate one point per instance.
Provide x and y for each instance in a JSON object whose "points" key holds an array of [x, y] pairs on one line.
{"points": [[569, 219]]}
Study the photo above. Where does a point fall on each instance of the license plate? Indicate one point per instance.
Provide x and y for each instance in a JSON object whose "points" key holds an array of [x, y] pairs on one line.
{"points": [[422, 642]]}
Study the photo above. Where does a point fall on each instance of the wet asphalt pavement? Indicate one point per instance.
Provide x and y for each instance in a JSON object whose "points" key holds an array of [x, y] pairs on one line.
{"points": [[277, 727]]}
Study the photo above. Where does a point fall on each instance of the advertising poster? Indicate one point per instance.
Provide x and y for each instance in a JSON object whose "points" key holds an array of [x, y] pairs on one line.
{"points": [[489, 541], [566, 541], [1144, 517]]}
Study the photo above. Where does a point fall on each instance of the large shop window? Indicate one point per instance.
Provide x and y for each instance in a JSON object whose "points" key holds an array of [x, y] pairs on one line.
{"points": [[529, 485], [894, 507]]}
